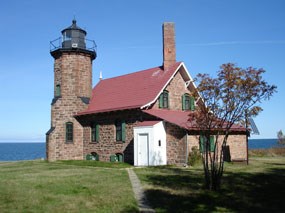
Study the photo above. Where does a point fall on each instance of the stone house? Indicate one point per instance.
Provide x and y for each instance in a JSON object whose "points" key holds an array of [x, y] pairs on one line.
{"points": [[141, 118]]}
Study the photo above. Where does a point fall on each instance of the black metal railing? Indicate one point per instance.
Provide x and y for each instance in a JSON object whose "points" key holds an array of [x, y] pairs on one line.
{"points": [[88, 44]]}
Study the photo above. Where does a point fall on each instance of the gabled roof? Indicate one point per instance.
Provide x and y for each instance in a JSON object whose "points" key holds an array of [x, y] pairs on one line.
{"points": [[131, 91]]}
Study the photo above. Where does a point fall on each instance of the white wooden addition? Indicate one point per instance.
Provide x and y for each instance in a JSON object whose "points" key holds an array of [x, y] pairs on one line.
{"points": [[150, 144]]}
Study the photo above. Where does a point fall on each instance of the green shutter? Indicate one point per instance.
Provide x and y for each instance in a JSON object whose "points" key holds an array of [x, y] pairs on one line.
{"points": [[97, 132], [97, 157], [192, 103], [212, 143], [183, 102], [161, 100], [92, 133], [66, 132], [120, 157], [202, 144], [167, 99], [123, 131], [88, 157]]}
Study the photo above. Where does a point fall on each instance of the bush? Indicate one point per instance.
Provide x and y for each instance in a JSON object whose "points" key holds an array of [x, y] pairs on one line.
{"points": [[194, 156]]}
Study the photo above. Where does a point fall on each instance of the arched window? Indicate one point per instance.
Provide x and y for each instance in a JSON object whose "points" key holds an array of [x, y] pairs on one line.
{"points": [[92, 156], [69, 132], [163, 99], [57, 90], [120, 157], [95, 156]]}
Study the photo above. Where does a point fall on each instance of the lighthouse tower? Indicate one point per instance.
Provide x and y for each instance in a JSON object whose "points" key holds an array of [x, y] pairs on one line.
{"points": [[73, 55]]}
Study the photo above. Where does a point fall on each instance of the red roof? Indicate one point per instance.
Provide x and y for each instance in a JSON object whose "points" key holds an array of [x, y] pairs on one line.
{"points": [[181, 119], [130, 91], [147, 123]]}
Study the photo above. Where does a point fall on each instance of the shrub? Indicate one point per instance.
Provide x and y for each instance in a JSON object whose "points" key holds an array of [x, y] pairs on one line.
{"points": [[194, 156]]}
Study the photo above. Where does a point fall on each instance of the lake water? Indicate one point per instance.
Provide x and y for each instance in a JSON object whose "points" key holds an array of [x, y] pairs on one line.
{"points": [[31, 151], [262, 143], [22, 151]]}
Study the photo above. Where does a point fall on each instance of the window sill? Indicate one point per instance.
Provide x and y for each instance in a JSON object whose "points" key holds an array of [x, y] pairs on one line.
{"points": [[69, 142]]}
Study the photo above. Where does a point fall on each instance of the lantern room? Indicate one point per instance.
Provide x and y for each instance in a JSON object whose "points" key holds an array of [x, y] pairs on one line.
{"points": [[73, 40], [73, 37]]}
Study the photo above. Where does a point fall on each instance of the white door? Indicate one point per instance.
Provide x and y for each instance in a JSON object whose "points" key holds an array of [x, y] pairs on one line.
{"points": [[143, 150]]}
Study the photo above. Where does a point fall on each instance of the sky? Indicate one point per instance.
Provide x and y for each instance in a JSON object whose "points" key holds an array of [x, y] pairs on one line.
{"points": [[128, 34]]}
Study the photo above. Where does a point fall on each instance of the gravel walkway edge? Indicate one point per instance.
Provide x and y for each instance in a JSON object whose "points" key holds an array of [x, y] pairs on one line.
{"points": [[139, 193]]}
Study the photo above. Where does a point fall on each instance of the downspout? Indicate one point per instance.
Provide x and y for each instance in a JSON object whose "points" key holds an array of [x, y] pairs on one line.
{"points": [[247, 134], [246, 148], [186, 138]]}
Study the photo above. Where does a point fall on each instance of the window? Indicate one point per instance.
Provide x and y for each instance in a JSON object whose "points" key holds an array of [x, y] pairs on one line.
{"points": [[94, 156], [120, 157], [120, 131], [203, 143], [163, 99], [69, 132], [57, 90], [188, 102], [95, 132]]}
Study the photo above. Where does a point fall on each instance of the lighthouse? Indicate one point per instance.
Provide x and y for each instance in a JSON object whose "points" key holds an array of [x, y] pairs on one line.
{"points": [[73, 56]]}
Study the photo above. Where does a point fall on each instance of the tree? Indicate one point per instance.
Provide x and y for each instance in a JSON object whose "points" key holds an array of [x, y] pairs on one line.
{"points": [[226, 103], [281, 137]]}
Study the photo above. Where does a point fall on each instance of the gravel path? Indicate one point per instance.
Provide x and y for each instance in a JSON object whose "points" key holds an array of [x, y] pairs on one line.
{"points": [[139, 193]]}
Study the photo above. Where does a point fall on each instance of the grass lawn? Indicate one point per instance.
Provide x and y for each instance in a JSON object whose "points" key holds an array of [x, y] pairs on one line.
{"points": [[90, 186], [258, 187], [38, 186]]}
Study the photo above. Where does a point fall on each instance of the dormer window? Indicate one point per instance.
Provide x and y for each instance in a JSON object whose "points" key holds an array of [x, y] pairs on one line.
{"points": [[163, 100], [188, 102]]}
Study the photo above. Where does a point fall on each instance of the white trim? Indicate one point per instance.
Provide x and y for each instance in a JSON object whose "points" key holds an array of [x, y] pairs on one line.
{"points": [[150, 103], [174, 73], [187, 83], [194, 85]]}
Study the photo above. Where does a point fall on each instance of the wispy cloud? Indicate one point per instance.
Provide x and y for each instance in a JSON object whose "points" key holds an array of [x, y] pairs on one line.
{"points": [[220, 43]]}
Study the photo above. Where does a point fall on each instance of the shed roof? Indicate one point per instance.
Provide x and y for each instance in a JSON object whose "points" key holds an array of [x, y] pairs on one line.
{"points": [[181, 119], [147, 123]]}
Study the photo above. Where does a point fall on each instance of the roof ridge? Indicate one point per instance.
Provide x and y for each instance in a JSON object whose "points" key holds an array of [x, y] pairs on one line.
{"points": [[132, 73], [144, 70]]}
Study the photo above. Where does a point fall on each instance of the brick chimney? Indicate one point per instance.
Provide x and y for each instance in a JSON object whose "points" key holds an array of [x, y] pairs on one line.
{"points": [[169, 50]]}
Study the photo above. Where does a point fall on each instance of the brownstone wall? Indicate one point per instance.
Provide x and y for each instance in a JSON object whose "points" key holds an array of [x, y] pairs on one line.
{"points": [[176, 144], [236, 144], [107, 144], [176, 88], [73, 71]]}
